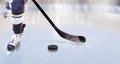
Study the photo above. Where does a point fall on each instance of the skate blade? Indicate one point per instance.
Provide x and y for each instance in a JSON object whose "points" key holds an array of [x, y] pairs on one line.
{"points": [[9, 53]]}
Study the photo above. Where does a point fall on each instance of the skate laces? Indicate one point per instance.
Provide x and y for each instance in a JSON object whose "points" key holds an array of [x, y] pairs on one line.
{"points": [[16, 38]]}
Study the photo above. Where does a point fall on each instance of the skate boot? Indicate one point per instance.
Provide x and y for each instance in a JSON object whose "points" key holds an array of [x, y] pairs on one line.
{"points": [[15, 40]]}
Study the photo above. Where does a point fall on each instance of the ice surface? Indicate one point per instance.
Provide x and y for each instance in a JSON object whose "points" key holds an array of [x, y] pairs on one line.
{"points": [[102, 45]]}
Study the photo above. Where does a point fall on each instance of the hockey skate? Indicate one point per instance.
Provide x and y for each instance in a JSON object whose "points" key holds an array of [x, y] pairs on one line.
{"points": [[15, 40]]}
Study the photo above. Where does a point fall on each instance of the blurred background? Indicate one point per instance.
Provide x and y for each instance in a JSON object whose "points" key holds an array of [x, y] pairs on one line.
{"points": [[106, 11], [92, 2]]}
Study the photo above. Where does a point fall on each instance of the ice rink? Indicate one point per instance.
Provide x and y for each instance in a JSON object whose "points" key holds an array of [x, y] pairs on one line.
{"points": [[101, 27]]}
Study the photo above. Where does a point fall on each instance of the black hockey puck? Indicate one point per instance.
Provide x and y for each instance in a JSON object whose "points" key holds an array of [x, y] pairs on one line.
{"points": [[52, 47]]}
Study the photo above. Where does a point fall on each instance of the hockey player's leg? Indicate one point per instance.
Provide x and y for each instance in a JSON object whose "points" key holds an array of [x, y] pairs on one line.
{"points": [[7, 9], [17, 22]]}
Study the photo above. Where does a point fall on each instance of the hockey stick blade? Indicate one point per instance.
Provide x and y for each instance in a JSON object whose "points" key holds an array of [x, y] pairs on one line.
{"points": [[61, 33]]}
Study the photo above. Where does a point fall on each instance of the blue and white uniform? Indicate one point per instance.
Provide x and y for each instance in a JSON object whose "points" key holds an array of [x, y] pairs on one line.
{"points": [[17, 8]]}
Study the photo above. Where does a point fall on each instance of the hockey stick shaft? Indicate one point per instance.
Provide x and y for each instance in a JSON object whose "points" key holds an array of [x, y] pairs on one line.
{"points": [[46, 16]]}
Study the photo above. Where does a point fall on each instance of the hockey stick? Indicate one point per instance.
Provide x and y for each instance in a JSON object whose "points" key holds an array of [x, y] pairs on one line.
{"points": [[61, 33]]}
